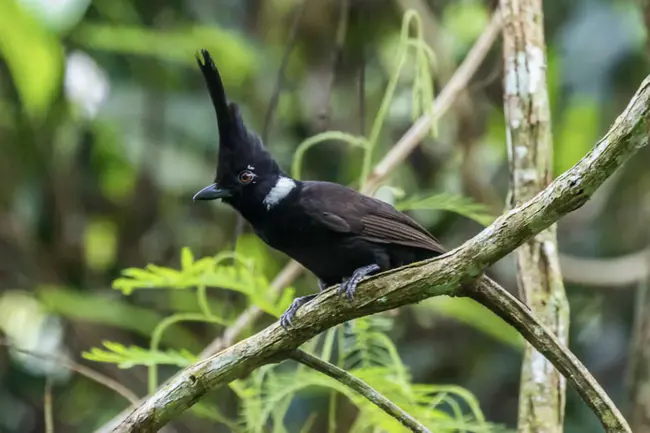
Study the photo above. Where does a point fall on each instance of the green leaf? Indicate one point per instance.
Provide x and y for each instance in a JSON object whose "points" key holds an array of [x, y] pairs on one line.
{"points": [[100, 243], [464, 21], [152, 277], [127, 357], [473, 314], [255, 251], [213, 413], [34, 57], [459, 204], [365, 344], [105, 310], [235, 56], [187, 259], [578, 129]]}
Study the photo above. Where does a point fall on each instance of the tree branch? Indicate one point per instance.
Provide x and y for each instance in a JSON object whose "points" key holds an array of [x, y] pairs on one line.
{"points": [[530, 152], [614, 272], [359, 386], [441, 105], [439, 276]]}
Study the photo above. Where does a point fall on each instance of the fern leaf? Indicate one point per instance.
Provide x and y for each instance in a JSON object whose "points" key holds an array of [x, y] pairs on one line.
{"points": [[127, 357], [187, 259]]}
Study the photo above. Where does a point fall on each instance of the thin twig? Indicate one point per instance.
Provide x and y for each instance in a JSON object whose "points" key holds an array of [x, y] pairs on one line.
{"points": [[80, 369], [443, 102], [279, 79], [359, 386], [337, 53], [382, 171], [449, 274], [358, 18], [47, 406]]}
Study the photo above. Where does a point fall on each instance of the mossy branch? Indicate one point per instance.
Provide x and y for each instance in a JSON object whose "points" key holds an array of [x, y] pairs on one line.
{"points": [[450, 274]]}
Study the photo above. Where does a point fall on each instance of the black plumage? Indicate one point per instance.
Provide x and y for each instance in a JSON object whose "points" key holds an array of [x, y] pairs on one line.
{"points": [[337, 233]]}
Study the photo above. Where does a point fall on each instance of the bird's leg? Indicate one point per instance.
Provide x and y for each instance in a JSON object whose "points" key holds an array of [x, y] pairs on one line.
{"points": [[350, 285], [285, 319]]}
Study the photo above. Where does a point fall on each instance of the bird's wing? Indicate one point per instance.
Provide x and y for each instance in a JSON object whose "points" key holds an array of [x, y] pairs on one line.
{"points": [[344, 210]]}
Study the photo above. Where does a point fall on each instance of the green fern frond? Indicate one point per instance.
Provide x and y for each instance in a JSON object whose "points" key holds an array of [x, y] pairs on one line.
{"points": [[208, 272], [213, 413], [366, 345], [280, 387], [127, 357], [475, 315], [459, 204]]}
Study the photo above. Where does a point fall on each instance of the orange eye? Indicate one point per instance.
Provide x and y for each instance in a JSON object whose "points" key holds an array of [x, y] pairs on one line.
{"points": [[246, 176]]}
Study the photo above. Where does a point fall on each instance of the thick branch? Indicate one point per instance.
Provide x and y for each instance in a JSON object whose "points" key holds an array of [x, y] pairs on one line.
{"points": [[440, 276], [359, 386], [530, 152]]}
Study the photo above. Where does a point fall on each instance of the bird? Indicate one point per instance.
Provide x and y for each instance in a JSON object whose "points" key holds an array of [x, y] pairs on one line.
{"points": [[337, 233]]}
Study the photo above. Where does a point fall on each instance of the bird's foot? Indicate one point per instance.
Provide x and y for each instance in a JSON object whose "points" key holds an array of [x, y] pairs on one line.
{"points": [[349, 286], [322, 285], [285, 319]]}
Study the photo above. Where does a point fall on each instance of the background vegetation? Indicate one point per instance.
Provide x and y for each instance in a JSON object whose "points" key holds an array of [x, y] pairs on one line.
{"points": [[106, 132]]}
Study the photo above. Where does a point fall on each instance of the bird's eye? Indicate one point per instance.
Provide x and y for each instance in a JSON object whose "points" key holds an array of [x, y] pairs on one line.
{"points": [[246, 176]]}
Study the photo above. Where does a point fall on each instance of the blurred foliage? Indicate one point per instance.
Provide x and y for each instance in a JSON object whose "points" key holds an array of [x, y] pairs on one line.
{"points": [[106, 131], [365, 351], [24, 44]]}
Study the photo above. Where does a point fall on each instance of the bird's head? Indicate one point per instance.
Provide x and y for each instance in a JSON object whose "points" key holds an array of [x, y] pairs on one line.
{"points": [[246, 173]]}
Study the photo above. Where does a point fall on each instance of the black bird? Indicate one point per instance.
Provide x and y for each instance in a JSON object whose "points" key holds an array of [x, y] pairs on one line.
{"points": [[337, 233]]}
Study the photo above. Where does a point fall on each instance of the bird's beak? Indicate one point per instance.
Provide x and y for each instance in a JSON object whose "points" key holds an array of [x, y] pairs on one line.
{"points": [[211, 192]]}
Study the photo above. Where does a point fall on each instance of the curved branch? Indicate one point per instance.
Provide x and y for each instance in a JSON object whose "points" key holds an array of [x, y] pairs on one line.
{"points": [[440, 276], [359, 386], [614, 272]]}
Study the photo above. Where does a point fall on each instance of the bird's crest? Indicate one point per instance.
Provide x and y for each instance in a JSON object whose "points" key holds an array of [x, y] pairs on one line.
{"points": [[238, 146]]}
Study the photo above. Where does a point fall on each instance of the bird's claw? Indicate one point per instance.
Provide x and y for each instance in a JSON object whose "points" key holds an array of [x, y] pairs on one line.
{"points": [[349, 286], [287, 316], [285, 319]]}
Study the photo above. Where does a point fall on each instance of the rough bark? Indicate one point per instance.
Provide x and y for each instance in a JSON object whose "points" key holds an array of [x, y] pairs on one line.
{"points": [[530, 151], [440, 276]]}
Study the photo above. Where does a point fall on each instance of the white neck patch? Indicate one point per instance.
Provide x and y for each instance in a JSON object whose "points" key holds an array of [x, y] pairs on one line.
{"points": [[282, 188]]}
